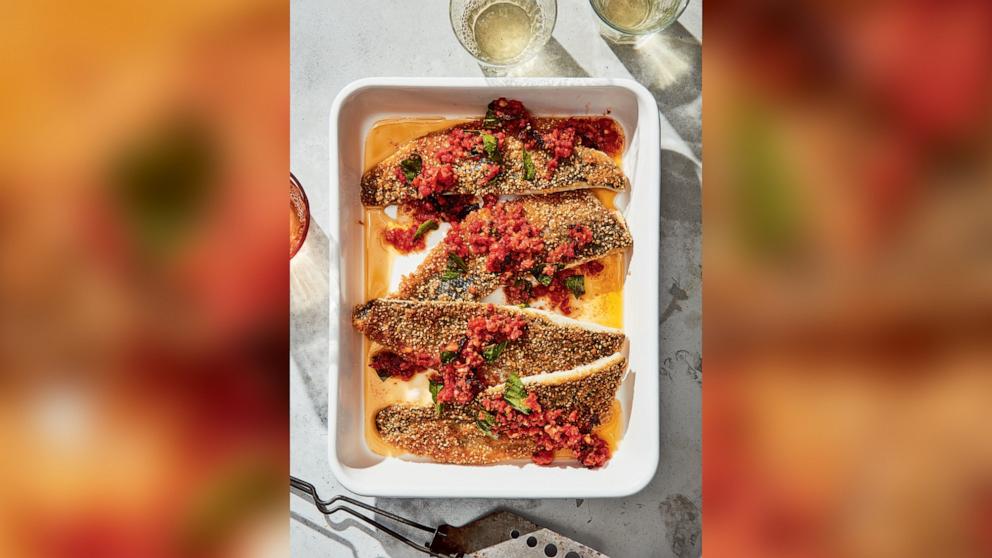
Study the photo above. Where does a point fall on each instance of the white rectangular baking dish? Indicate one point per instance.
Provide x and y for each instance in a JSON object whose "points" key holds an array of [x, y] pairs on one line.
{"points": [[356, 108]]}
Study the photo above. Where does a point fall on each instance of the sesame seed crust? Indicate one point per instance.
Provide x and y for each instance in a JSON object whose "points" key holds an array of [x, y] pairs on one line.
{"points": [[404, 325], [451, 436], [587, 168], [554, 214]]}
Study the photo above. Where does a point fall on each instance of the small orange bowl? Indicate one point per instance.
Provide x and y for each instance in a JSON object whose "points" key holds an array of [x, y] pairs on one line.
{"points": [[299, 215]]}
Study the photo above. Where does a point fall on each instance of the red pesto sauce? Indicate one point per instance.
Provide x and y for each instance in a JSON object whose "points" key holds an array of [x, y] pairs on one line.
{"points": [[464, 357], [515, 250], [558, 293], [459, 378], [388, 364], [551, 430]]}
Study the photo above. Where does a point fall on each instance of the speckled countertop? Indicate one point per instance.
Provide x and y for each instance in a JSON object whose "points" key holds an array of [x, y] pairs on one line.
{"points": [[336, 42]]}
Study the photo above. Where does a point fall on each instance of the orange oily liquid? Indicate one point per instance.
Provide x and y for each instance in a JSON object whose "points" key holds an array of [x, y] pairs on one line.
{"points": [[602, 303], [386, 136], [295, 228]]}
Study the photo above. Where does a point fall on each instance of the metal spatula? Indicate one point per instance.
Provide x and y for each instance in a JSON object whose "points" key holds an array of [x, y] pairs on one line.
{"points": [[500, 534]]}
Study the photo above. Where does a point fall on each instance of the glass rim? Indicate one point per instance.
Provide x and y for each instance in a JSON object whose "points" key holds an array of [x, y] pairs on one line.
{"points": [[451, 22], [648, 31], [306, 213]]}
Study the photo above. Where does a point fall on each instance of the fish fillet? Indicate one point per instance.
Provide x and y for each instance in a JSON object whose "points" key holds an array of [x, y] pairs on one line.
{"points": [[452, 436], [551, 342], [554, 214], [586, 168]]}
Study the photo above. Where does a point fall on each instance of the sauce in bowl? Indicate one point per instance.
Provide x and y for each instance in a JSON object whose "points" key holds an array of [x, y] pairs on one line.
{"points": [[299, 215]]}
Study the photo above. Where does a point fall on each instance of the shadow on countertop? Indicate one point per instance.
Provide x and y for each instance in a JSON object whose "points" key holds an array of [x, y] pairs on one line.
{"points": [[669, 64]]}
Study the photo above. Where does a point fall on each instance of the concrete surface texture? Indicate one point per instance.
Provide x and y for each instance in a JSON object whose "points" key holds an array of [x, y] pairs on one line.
{"points": [[335, 42]]}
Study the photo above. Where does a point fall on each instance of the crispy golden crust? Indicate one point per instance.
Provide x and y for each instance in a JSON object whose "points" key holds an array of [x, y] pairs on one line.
{"points": [[452, 436], [587, 168], [589, 389], [548, 345], [554, 214]]}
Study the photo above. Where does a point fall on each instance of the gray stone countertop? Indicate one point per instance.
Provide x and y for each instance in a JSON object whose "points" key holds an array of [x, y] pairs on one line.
{"points": [[335, 42]]}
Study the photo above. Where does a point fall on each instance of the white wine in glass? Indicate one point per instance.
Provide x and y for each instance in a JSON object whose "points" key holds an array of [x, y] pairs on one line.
{"points": [[503, 32], [636, 18]]}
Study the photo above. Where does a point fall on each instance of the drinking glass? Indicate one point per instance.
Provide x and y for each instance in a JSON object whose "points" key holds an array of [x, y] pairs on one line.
{"points": [[503, 32], [299, 215], [626, 21]]}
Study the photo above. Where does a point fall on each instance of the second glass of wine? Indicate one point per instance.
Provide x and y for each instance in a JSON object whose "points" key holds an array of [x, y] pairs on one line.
{"points": [[630, 21], [503, 32]]}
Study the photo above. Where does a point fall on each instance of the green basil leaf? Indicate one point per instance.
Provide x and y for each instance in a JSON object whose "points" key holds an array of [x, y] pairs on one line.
{"points": [[538, 273], [450, 275], [529, 171], [424, 228], [435, 387], [492, 352], [412, 166], [485, 423], [490, 122], [491, 145], [448, 356], [456, 263], [576, 284], [516, 394]]}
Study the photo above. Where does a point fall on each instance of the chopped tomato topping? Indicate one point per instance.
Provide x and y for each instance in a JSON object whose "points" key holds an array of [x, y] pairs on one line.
{"points": [[402, 238], [491, 172], [508, 240], [598, 133], [461, 375], [557, 293], [579, 237], [461, 144], [491, 327], [514, 249], [513, 117], [388, 364], [435, 180], [454, 241], [551, 430], [560, 142], [449, 208], [592, 268]]}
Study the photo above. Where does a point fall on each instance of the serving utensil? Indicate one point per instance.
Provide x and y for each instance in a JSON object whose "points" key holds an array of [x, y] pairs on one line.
{"points": [[501, 534]]}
